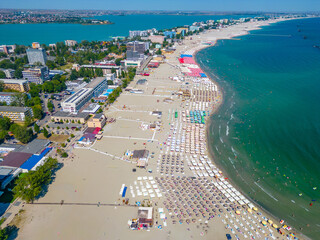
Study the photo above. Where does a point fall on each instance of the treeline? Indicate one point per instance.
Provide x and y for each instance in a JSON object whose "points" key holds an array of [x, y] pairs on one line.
{"points": [[31, 184], [128, 77]]}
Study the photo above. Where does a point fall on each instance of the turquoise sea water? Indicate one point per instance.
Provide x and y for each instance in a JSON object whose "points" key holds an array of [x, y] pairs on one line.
{"points": [[266, 135], [52, 33]]}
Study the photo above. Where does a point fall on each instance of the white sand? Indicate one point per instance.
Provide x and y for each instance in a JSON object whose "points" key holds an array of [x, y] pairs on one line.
{"points": [[92, 176]]}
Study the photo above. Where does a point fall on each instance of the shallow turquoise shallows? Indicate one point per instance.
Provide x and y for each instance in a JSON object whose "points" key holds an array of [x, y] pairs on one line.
{"points": [[266, 135], [52, 33]]}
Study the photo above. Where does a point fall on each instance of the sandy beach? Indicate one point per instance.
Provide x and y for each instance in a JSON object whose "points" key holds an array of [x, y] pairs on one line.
{"points": [[180, 181]]}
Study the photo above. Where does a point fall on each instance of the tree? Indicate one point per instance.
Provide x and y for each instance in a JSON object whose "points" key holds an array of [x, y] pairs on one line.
{"points": [[1, 86], [50, 64], [31, 184], [37, 112], [18, 73], [22, 133], [4, 235], [50, 106], [99, 72], [2, 74], [5, 123], [27, 121], [45, 133], [117, 61], [19, 100], [36, 128]]}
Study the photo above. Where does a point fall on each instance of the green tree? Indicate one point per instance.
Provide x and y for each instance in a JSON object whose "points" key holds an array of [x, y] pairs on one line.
{"points": [[22, 133], [5, 123], [31, 184], [19, 99], [2, 74], [99, 72], [50, 106], [4, 235], [36, 128], [51, 65], [18, 73], [117, 61], [37, 111], [1, 86], [45, 133]]}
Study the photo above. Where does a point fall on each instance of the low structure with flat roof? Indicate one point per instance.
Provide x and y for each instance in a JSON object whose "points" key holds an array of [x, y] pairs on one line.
{"points": [[64, 116]]}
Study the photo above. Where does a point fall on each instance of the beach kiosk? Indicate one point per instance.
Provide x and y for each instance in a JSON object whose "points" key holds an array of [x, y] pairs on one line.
{"points": [[145, 217]]}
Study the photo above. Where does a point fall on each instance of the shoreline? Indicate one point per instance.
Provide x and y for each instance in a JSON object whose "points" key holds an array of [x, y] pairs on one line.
{"points": [[215, 111], [104, 163]]}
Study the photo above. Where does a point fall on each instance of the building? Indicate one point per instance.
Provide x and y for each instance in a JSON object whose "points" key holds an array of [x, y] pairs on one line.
{"points": [[7, 174], [137, 46], [98, 85], [7, 97], [182, 30], [9, 73], [77, 100], [36, 45], [194, 28], [37, 55], [7, 49], [169, 34], [36, 75], [138, 34], [70, 117], [145, 216], [19, 85], [105, 68], [70, 43], [131, 63], [98, 121], [52, 73], [156, 38], [16, 113]]}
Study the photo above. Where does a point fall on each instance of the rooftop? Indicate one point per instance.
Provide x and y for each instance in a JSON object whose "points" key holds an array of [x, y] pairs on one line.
{"points": [[95, 82], [15, 159], [68, 114], [78, 95], [13, 81], [5, 171], [36, 146], [7, 93], [98, 116], [140, 153], [13, 109]]}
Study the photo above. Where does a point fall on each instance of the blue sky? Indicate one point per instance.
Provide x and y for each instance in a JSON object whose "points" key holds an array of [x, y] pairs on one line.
{"points": [[212, 5]]}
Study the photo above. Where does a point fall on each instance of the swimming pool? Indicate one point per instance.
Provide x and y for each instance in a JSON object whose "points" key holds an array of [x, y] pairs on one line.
{"points": [[108, 92]]}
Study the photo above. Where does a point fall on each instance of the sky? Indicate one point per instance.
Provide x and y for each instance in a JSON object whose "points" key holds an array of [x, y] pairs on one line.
{"points": [[183, 5]]}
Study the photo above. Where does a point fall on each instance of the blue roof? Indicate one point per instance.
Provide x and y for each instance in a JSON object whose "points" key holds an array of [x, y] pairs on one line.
{"points": [[203, 75], [185, 55], [34, 159]]}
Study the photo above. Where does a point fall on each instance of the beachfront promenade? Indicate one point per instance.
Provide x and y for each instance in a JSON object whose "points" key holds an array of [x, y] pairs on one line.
{"points": [[180, 180]]}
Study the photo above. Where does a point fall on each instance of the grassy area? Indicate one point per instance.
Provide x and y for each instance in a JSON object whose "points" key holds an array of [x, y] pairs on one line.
{"points": [[67, 66], [54, 137]]}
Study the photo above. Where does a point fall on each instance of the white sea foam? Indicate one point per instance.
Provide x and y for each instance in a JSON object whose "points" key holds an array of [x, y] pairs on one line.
{"points": [[227, 130], [269, 194]]}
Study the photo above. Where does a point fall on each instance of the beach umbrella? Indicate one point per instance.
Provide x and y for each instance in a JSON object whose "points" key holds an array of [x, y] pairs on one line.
{"points": [[275, 225], [270, 221], [238, 212], [264, 223]]}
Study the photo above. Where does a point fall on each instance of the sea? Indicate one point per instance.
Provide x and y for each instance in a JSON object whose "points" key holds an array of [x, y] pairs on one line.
{"points": [[266, 134], [54, 32]]}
